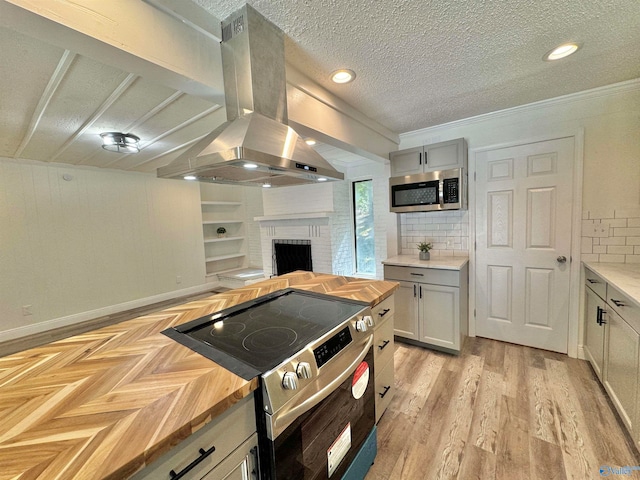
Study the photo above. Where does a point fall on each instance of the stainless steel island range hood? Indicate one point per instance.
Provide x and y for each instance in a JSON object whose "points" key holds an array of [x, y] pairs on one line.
{"points": [[255, 146]]}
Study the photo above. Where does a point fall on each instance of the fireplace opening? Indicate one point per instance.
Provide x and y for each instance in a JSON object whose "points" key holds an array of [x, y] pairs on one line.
{"points": [[291, 255]]}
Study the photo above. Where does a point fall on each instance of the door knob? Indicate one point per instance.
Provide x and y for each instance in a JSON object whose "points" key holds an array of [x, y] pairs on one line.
{"points": [[561, 259]]}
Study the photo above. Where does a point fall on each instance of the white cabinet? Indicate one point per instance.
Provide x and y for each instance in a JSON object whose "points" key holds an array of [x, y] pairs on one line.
{"points": [[225, 448], [621, 370], [383, 347], [594, 328], [612, 346], [431, 305], [429, 158]]}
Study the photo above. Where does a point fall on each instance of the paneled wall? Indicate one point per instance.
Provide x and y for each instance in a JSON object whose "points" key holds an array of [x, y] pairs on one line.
{"points": [[75, 240]]}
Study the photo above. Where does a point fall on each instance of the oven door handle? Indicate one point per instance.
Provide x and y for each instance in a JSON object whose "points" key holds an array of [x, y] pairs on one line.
{"points": [[284, 420]]}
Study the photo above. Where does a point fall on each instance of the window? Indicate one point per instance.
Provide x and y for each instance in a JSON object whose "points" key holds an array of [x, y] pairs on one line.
{"points": [[363, 227]]}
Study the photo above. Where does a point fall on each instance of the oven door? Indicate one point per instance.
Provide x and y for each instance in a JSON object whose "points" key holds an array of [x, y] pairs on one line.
{"points": [[322, 441]]}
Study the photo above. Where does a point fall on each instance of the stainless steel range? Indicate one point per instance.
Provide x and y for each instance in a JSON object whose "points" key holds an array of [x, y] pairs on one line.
{"points": [[313, 354]]}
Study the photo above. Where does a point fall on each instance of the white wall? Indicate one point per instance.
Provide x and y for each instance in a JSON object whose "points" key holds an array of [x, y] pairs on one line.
{"points": [[610, 117], [101, 239]]}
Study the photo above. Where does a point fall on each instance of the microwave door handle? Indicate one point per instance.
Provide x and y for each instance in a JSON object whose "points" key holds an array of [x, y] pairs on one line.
{"points": [[441, 193]]}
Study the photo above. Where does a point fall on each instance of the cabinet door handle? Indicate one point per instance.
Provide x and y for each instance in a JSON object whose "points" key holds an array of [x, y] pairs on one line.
{"points": [[386, 390], [256, 471], [414, 291], [599, 315], [618, 303], [384, 312], [384, 344], [419, 158], [417, 274], [203, 454], [420, 291], [591, 280]]}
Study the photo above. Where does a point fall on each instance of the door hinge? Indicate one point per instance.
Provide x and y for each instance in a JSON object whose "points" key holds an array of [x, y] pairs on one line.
{"points": [[474, 176], [474, 313]]}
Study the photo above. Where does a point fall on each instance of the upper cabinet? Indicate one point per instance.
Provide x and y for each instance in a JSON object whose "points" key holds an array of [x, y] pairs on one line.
{"points": [[429, 158]]}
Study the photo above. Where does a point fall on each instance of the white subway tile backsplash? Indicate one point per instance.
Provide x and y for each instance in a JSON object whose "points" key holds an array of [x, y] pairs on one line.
{"points": [[611, 238], [623, 250], [626, 232], [613, 241], [611, 258]]}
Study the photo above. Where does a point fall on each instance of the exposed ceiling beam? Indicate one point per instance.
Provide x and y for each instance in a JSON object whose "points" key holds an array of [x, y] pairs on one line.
{"points": [[117, 33], [54, 82]]}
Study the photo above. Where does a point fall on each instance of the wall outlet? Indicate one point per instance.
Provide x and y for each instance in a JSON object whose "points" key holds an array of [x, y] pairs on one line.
{"points": [[178, 279], [27, 310]]}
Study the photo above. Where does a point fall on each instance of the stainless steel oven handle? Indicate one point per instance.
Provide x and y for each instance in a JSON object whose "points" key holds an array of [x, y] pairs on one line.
{"points": [[320, 395]]}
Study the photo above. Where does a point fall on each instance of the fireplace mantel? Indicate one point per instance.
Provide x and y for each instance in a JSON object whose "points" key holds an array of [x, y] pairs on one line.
{"points": [[293, 216]]}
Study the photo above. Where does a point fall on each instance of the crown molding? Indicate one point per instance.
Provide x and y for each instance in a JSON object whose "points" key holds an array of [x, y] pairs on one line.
{"points": [[594, 93]]}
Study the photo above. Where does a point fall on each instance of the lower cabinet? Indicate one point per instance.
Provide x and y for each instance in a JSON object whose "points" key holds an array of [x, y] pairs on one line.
{"points": [[621, 371], [612, 346], [594, 328], [431, 305], [383, 348], [225, 448]]}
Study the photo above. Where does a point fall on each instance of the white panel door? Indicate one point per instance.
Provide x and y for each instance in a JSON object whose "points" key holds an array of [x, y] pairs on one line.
{"points": [[523, 232]]}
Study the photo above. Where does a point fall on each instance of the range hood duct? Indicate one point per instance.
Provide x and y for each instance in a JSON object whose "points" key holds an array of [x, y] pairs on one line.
{"points": [[256, 131]]}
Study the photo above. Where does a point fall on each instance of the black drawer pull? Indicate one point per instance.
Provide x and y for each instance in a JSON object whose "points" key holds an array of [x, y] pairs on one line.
{"points": [[386, 390], [599, 317], [384, 344], [417, 274], [591, 280], [384, 312], [203, 454], [618, 303]]}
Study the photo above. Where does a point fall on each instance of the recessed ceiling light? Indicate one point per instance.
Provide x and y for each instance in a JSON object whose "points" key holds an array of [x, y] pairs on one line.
{"points": [[561, 51], [250, 166], [190, 177], [343, 75], [310, 141]]}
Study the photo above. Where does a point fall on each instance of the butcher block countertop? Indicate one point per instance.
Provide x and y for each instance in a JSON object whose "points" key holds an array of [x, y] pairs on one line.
{"points": [[103, 404]]}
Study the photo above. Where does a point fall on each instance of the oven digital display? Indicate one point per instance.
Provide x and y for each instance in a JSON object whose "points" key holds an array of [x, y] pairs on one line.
{"points": [[332, 347]]}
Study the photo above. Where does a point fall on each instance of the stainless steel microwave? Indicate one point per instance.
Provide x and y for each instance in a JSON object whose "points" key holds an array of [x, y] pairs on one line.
{"points": [[430, 191]]}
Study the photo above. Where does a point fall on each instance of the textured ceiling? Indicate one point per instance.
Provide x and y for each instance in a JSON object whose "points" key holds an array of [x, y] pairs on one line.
{"points": [[423, 63], [418, 64]]}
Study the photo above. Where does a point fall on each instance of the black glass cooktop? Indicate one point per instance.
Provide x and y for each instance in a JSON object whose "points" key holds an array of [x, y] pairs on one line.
{"points": [[254, 337]]}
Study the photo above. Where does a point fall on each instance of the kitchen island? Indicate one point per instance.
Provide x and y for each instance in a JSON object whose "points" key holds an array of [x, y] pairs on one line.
{"points": [[104, 404]]}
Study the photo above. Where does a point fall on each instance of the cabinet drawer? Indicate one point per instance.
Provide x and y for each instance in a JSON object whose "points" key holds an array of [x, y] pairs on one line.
{"points": [[383, 310], [595, 283], [225, 433], [625, 307], [385, 388], [450, 278], [383, 343]]}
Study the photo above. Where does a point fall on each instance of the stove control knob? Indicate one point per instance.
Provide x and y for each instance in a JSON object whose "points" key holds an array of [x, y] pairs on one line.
{"points": [[303, 370], [361, 325], [289, 381], [369, 320]]}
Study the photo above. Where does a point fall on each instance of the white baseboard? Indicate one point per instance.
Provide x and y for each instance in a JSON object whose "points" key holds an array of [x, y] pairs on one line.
{"points": [[581, 354], [76, 318]]}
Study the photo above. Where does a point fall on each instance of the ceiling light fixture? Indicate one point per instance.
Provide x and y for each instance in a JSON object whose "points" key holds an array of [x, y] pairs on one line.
{"points": [[250, 166], [310, 141], [561, 51], [344, 75], [322, 179], [266, 185], [190, 177], [120, 142]]}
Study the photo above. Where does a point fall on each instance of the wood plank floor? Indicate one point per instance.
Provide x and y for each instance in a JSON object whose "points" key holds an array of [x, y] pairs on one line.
{"points": [[498, 411]]}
